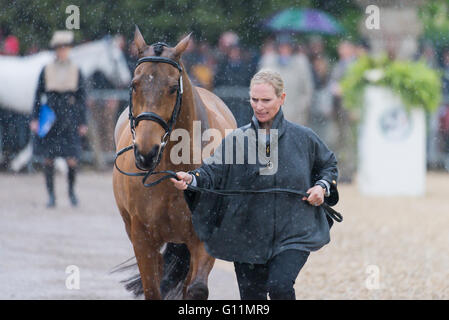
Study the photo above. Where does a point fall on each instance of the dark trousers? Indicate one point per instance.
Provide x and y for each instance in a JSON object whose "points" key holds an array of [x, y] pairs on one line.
{"points": [[49, 177], [276, 277]]}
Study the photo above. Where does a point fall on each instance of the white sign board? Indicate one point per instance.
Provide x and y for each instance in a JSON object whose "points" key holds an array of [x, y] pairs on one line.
{"points": [[392, 146]]}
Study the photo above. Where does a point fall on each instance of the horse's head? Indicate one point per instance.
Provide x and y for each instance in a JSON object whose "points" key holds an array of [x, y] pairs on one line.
{"points": [[114, 66], [156, 88]]}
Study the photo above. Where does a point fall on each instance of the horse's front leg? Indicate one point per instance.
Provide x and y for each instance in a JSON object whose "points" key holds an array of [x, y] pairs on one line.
{"points": [[201, 264], [149, 259]]}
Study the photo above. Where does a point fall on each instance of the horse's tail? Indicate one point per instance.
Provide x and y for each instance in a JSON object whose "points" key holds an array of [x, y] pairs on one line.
{"points": [[176, 267]]}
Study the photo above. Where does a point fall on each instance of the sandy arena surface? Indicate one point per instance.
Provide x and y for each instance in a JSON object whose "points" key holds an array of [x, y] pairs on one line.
{"points": [[386, 248]]}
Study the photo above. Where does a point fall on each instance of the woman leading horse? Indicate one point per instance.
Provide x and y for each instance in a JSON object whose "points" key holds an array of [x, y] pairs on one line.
{"points": [[269, 226], [162, 98]]}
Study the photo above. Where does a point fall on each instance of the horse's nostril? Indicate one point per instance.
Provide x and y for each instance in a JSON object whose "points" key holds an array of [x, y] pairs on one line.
{"points": [[153, 151], [146, 160]]}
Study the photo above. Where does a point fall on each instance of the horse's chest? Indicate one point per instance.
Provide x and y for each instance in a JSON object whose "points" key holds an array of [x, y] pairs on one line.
{"points": [[167, 216]]}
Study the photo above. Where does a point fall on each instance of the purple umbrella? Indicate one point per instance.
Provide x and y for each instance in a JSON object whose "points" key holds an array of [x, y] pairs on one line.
{"points": [[303, 20]]}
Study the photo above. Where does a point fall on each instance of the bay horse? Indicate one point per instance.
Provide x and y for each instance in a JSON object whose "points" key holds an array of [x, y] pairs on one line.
{"points": [[163, 98]]}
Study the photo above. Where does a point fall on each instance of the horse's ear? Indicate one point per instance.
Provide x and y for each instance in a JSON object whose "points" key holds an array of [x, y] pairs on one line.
{"points": [[138, 40], [182, 46]]}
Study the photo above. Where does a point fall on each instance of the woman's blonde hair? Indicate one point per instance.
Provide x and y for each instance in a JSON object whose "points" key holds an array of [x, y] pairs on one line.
{"points": [[270, 77]]}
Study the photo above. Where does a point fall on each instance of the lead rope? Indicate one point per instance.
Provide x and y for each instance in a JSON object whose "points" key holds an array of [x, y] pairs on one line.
{"points": [[171, 174]]}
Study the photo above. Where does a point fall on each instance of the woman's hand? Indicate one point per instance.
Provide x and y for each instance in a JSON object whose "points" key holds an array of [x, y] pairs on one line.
{"points": [[34, 126], [185, 179], [316, 196], [82, 130]]}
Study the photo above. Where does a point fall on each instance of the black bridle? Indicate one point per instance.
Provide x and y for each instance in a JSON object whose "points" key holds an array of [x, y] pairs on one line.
{"points": [[151, 116], [168, 127]]}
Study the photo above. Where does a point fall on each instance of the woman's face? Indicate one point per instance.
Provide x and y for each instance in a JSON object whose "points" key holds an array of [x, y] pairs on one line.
{"points": [[63, 52], [265, 102]]}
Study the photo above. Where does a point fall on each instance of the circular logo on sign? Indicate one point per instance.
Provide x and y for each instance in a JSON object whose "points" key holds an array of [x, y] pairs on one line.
{"points": [[395, 124]]}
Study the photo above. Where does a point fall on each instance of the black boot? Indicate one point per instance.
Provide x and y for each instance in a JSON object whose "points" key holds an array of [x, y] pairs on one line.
{"points": [[71, 180], [73, 199], [51, 201], [49, 177]]}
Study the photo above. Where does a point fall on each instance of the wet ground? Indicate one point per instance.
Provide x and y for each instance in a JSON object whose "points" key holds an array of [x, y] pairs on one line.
{"points": [[386, 248]]}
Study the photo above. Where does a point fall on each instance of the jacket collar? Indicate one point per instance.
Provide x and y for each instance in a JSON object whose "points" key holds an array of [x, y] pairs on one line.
{"points": [[278, 122]]}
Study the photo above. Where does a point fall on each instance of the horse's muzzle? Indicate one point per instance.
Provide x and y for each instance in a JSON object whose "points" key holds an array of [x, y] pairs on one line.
{"points": [[146, 162]]}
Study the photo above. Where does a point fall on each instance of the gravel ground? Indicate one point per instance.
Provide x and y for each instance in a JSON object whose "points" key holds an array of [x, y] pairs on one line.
{"points": [[386, 248]]}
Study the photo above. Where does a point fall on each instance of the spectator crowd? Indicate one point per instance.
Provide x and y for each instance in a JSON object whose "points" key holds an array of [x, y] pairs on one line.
{"points": [[314, 96]]}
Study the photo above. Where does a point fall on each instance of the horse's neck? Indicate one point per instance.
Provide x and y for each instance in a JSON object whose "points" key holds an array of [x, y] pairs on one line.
{"points": [[89, 56]]}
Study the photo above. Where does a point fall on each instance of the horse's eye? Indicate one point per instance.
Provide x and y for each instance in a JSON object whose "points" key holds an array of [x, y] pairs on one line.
{"points": [[173, 89]]}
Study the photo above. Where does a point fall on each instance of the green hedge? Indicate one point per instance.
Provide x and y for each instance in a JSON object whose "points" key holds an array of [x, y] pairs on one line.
{"points": [[418, 85]]}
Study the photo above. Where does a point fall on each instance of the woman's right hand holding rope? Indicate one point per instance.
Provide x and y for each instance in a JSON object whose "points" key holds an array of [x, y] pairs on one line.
{"points": [[184, 180]]}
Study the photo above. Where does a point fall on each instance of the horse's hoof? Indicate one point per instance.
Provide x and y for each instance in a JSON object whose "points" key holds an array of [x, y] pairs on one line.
{"points": [[197, 291]]}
